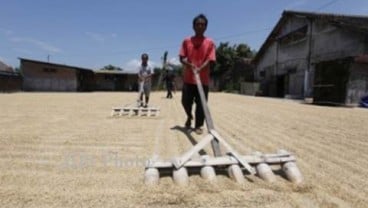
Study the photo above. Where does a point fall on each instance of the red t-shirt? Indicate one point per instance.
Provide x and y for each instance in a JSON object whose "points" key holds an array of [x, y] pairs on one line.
{"points": [[198, 50]]}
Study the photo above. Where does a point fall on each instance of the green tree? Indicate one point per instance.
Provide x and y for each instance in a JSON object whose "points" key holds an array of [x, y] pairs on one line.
{"points": [[243, 51], [227, 72], [225, 56], [111, 68]]}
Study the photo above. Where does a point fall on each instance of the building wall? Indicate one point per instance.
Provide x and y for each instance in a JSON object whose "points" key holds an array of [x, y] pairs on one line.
{"points": [[330, 43], [130, 82], [116, 82], [105, 82], [266, 65], [10, 82], [45, 77], [86, 80]]}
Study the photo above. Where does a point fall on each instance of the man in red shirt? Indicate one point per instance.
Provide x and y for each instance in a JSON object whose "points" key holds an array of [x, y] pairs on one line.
{"points": [[196, 53]]}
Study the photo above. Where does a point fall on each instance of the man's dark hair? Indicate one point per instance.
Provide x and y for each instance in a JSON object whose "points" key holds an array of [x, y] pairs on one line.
{"points": [[200, 16], [144, 55]]}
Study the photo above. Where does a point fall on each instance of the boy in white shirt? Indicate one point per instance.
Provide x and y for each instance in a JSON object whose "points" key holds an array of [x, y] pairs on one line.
{"points": [[145, 80]]}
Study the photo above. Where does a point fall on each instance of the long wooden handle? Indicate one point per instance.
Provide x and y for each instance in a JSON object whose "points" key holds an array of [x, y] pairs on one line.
{"points": [[206, 110], [214, 143]]}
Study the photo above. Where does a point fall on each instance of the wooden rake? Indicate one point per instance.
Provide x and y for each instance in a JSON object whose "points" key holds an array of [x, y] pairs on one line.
{"points": [[257, 163]]}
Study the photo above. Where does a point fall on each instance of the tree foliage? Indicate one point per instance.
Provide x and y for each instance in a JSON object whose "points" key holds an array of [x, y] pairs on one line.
{"points": [[228, 59], [111, 68], [227, 55]]}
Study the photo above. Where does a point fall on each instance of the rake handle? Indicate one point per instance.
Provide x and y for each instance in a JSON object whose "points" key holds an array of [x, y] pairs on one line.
{"points": [[214, 143]]}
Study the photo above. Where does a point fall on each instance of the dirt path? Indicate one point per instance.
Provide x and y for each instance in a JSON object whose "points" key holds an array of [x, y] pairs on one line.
{"points": [[64, 150]]}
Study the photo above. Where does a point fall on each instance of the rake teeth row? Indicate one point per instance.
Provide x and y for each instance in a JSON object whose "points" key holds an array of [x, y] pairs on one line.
{"points": [[135, 111], [207, 170]]}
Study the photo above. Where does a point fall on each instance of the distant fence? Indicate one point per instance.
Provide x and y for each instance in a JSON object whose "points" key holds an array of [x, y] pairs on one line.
{"points": [[249, 88]]}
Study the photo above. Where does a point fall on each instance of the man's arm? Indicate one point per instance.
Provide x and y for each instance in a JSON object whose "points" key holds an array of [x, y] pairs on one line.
{"points": [[205, 64], [185, 62], [140, 76]]}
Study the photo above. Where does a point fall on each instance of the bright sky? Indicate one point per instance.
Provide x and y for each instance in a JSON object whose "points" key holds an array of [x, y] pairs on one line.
{"points": [[95, 33]]}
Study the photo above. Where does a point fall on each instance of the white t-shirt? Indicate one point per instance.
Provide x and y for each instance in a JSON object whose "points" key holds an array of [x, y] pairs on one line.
{"points": [[144, 71]]}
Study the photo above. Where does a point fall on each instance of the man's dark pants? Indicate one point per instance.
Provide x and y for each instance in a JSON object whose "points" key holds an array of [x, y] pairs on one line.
{"points": [[190, 94]]}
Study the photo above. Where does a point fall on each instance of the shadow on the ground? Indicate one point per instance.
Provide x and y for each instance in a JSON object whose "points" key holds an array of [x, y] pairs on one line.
{"points": [[190, 137]]}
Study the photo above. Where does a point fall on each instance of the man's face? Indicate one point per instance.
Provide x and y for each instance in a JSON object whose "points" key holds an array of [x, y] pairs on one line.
{"points": [[144, 60], [200, 26]]}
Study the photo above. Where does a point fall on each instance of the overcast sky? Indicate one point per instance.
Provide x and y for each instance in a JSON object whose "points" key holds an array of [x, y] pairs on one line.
{"points": [[95, 33]]}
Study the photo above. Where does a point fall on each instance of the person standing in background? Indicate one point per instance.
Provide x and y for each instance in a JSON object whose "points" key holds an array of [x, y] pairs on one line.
{"points": [[145, 80], [169, 83]]}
